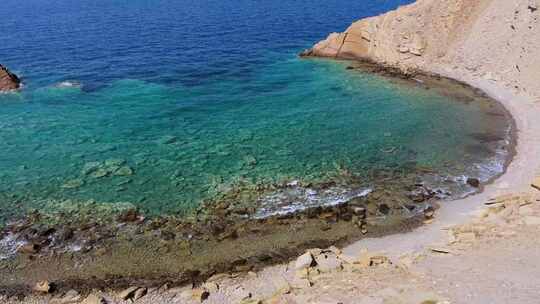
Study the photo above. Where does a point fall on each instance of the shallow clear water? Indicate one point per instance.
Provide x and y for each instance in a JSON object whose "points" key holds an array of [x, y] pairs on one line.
{"points": [[164, 104]]}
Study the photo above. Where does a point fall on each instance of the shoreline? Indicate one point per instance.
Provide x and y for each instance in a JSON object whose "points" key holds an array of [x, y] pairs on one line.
{"points": [[380, 240], [519, 173], [345, 235], [393, 247]]}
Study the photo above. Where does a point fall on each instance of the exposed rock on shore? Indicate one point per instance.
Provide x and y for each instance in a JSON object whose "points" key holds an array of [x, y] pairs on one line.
{"points": [[442, 36], [8, 80]]}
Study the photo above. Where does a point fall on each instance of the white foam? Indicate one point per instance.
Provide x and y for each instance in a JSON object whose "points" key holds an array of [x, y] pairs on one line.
{"points": [[296, 198], [69, 84], [9, 245]]}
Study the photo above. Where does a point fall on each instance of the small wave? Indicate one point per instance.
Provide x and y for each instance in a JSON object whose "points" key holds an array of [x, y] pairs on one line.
{"points": [[296, 198], [8, 246], [68, 84]]}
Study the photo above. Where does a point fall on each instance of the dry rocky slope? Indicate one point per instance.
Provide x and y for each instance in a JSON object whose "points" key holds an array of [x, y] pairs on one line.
{"points": [[498, 40], [8, 80]]}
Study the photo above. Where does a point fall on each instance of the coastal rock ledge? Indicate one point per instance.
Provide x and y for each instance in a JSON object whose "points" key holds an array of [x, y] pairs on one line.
{"points": [[497, 40], [8, 80]]}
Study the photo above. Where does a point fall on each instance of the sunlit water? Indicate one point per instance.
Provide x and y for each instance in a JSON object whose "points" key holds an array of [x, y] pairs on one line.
{"points": [[164, 104]]}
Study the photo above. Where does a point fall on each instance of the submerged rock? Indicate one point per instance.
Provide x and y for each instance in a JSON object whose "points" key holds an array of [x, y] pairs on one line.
{"points": [[90, 167], [8, 80], [124, 171], [73, 184], [167, 139]]}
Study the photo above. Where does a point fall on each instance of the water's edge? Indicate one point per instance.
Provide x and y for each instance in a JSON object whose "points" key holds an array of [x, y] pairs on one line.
{"points": [[222, 229]]}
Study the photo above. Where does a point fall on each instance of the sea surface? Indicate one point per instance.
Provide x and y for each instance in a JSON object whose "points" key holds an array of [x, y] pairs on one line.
{"points": [[165, 104]]}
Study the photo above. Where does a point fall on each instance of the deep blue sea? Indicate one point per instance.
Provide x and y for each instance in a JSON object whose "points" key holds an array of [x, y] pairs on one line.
{"points": [[163, 104]]}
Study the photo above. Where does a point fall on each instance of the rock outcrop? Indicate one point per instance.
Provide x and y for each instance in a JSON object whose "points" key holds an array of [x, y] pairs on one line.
{"points": [[406, 37], [497, 40], [8, 80]]}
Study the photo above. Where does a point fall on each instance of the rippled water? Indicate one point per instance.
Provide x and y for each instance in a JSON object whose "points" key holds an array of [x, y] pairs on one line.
{"points": [[163, 104]]}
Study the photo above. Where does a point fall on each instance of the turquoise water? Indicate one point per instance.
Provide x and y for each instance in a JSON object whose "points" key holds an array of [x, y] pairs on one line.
{"points": [[134, 107]]}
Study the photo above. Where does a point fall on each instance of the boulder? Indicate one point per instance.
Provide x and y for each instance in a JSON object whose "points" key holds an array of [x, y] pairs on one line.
{"points": [[42, 286], [304, 261], [139, 293], [328, 262], [128, 293], [8, 80]]}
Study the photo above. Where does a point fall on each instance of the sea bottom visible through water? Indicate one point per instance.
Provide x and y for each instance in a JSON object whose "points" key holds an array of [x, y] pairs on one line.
{"points": [[306, 154]]}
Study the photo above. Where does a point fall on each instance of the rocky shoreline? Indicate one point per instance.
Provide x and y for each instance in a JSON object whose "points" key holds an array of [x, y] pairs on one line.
{"points": [[152, 251], [219, 237]]}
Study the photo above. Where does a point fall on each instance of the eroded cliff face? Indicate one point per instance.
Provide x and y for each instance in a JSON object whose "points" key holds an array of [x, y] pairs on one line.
{"points": [[405, 37], [498, 40], [8, 80]]}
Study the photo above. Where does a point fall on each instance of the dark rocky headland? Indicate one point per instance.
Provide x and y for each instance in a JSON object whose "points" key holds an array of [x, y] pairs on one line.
{"points": [[8, 80]]}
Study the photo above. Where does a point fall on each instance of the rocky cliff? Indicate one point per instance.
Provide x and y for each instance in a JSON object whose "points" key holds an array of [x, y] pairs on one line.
{"points": [[8, 80], [498, 40]]}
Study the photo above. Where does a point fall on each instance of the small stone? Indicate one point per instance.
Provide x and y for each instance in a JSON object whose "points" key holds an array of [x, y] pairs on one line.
{"points": [[363, 228], [29, 248], [200, 294], [128, 293], [379, 260], [533, 7], [42, 286], [429, 212], [473, 182], [94, 299], [304, 261], [440, 250]]}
